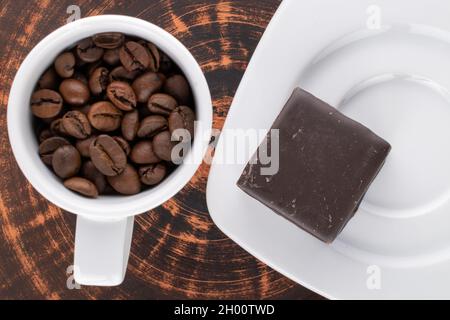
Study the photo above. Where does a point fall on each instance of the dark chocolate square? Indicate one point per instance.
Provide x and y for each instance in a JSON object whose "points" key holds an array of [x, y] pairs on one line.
{"points": [[327, 162]]}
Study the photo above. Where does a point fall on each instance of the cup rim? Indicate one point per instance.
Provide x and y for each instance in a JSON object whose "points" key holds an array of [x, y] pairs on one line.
{"points": [[110, 207]]}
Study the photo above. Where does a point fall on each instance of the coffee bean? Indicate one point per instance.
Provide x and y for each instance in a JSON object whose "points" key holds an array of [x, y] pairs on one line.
{"points": [[74, 92], [146, 85], [178, 87], [127, 182], [99, 80], [122, 74], [108, 40], [143, 153], [46, 103], [90, 172], [56, 127], [152, 125], [130, 125], [76, 124], [87, 51], [48, 80], [161, 103], [66, 161], [134, 56], [122, 95], [123, 144], [162, 145], [83, 146], [111, 57], [48, 147], [82, 186], [64, 64], [152, 174], [181, 118], [104, 116], [107, 155], [154, 57]]}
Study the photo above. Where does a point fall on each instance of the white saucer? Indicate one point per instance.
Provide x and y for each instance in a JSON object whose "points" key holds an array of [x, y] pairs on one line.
{"points": [[393, 79]]}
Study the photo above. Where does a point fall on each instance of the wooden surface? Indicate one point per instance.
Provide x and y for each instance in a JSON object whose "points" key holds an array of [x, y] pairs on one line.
{"points": [[177, 252]]}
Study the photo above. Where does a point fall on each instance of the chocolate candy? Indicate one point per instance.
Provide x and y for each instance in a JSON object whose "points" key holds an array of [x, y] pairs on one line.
{"points": [[326, 164]]}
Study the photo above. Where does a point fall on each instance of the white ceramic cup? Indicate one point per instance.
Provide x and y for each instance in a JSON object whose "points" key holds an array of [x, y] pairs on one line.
{"points": [[104, 225]]}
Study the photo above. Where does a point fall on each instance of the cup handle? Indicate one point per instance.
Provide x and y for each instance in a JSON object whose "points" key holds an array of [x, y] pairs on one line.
{"points": [[102, 248]]}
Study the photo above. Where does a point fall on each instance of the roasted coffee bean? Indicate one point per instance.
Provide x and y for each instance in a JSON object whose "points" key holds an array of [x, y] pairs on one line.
{"points": [[107, 155], [162, 145], [45, 134], [111, 57], [178, 87], [161, 103], [143, 153], [90, 172], [74, 92], [82, 186], [48, 147], [127, 182], [87, 51], [108, 40], [146, 85], [83, 146], [130, 125], [154, 57], [76, 124], [122, 74], [99, 80], [64, 64], [134, 56], [104, 116], [48, 80], [152, 125], [56, 127], [46, 103], [66, 161], [152, 174], [123, 144], [121, 95], [181, 118]]}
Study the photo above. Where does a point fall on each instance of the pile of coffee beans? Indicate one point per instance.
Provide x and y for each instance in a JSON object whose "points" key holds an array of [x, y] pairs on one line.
{"points": [[106, 112]]}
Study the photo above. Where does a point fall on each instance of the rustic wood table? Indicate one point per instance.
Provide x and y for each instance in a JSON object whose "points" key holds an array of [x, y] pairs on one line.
{"points": [[177, 251]]}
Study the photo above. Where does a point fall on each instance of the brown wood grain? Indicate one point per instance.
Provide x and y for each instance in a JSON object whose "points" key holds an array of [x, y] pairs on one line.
{"points": [[177, 251]]}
